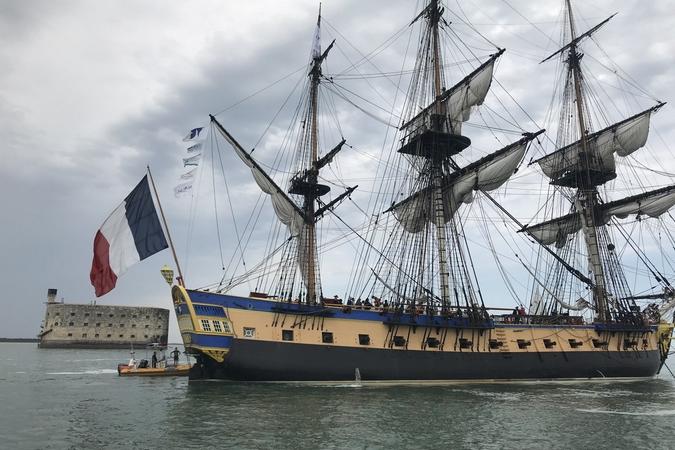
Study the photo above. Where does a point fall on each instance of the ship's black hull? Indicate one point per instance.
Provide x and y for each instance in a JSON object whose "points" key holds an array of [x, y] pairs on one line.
{"points": [[253, 360]]}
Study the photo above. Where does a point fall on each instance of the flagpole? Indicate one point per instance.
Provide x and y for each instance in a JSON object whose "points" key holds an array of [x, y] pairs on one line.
{"points": [[181, 280]]}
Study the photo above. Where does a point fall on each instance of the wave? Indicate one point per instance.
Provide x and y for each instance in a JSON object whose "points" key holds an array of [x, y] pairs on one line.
{"points": [[665, 412], [86, 372]]}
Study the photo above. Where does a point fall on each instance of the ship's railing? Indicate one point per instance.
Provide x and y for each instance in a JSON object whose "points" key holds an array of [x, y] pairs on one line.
{"points": [[526, 319]]}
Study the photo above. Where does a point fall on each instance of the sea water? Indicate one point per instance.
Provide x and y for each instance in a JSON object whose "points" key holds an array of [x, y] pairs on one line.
{"points": [[74, 399]]}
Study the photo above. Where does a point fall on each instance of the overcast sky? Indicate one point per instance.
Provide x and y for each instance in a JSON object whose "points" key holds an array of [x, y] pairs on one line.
{"points": [[92, 92]]}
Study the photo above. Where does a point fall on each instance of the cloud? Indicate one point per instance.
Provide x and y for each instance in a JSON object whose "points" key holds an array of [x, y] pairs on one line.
{"points": [[92, 93]]}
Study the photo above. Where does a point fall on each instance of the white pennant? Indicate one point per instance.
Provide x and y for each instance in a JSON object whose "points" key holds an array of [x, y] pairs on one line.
{"points": [[192, 160], [189, 175], [183, 188]]}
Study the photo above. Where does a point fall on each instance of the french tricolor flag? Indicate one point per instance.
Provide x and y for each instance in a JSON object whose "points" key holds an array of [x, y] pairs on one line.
{"points": [[129, 235]]}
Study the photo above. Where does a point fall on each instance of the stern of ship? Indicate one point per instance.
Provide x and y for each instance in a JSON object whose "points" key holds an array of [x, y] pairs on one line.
{"points": [[665, 338], [206, 331]]}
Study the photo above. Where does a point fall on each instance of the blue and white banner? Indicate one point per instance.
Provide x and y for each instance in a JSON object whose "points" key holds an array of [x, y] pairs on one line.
{"points": [[195, 134], [188, 175], [182, 189], [192, 160], [194, 148]]}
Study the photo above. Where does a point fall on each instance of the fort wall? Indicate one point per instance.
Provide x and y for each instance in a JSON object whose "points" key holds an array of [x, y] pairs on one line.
{"points": [[102, 326]]}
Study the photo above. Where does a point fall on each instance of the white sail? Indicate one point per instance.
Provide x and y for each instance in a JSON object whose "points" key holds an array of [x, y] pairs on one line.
{"points": [[469, 93], [486, 174], [287, 212], [622, 138], [653, 204], [579, 305], [457, 102]]}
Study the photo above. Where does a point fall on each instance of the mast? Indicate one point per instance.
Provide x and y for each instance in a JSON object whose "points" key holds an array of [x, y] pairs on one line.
{"points": [[308, 206], [587, 193], [181, 280], [437, 166], [300, 214]]}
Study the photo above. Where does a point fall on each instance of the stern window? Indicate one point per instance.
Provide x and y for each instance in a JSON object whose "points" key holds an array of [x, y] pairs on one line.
{"points": [[216, 326], [206, 326]]}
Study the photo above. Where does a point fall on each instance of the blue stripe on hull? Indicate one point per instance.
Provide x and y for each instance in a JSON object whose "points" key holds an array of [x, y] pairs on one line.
{"points": [[230, 301], [209, 340]]}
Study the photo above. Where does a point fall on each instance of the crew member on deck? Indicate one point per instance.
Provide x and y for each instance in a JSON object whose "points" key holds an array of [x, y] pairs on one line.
{"points": [[154, 360], [175, 353]]}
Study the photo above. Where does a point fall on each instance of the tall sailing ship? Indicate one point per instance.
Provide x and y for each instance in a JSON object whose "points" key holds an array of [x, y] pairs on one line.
{"points": [[419, 312]]}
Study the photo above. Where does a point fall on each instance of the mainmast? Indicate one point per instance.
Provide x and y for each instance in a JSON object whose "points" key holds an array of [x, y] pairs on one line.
{"points": [[432, 244], [587, 193], [437, 163]]}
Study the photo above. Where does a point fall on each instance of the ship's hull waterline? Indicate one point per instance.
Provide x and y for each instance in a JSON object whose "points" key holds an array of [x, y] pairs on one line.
{"points": [[273, 361], [253, 345]]}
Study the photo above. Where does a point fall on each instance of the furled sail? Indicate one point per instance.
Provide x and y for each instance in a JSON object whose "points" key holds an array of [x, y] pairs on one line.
{"points": [[652, 203], [485, 174], [622, 138], [287, 211], [457, 101]]}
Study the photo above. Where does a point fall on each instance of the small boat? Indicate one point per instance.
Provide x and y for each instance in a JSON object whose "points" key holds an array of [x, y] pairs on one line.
{"points": [[143, 368], [181, 370]]}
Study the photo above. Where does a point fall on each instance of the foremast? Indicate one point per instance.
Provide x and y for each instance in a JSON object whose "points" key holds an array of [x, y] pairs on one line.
{"points": [[300, 218], [312, 177]]}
